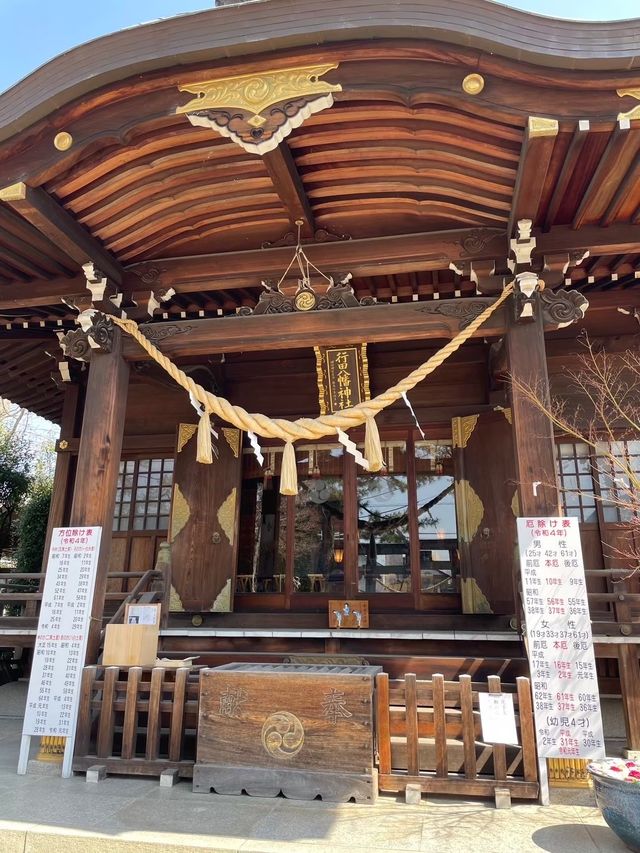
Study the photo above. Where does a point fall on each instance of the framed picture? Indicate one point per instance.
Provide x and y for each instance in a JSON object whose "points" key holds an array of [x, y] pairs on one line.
{"points": [[142, 614]]}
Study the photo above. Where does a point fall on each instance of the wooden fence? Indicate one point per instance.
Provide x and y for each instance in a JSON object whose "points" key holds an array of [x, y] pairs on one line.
{"points": [[429, 734], [138, 720], [144, 720]]}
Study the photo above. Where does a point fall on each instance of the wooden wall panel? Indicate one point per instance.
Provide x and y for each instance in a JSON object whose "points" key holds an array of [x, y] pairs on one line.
{"points": [[283, 384], [203, 530], [486, 508]]}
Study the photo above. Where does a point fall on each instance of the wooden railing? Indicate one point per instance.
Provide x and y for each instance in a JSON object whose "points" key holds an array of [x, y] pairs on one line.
{"points": [[137, 720], [16, 589], [143, 585], [615, 610], [429, 734]]}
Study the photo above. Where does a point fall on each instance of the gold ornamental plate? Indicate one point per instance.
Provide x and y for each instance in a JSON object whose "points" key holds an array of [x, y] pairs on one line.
{"points": [[305, 300]]}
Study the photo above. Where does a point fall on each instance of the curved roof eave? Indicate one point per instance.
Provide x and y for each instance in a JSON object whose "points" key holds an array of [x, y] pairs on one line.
{"points": [[254, 27]]}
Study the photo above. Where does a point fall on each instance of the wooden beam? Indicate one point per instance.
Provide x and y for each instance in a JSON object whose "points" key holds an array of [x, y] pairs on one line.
{"points": [[58, 225], [373, 324], [367, 257], [615, 240], [288, 184], [537, 148], [614, 162]]}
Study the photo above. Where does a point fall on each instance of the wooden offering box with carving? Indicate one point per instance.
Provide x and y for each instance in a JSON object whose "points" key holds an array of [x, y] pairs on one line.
{"points": [[301, 729]]}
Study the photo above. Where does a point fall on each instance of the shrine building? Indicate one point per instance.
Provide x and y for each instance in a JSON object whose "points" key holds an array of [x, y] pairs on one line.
{"points": [[219, 232]]}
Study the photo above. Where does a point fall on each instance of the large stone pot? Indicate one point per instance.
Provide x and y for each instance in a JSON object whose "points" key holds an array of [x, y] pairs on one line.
{"points": [[619, 802]]}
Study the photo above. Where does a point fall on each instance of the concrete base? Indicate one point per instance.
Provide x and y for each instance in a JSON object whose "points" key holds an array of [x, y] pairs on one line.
{"points": [[96, 773], [169, 778], [503, 798], [413, 795], [44, 768]]}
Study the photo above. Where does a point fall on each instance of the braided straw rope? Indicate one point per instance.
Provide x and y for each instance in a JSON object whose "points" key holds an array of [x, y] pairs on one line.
{"points": [[308, 428]]}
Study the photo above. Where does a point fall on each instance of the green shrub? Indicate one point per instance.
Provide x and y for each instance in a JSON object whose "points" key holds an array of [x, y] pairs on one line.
{"points": [[32, 530]]}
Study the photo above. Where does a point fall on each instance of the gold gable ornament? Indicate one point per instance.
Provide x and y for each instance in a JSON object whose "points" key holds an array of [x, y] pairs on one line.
{"points": [[257, 111]]}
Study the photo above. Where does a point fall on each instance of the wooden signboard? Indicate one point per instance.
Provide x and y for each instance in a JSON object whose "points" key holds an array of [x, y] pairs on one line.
{"points": [[348, 613], [559, 641], [343, 377], [300, 729], [204, 522], [61, 641]]}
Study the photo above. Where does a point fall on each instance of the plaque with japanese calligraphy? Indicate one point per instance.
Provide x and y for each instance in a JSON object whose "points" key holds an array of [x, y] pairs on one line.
{"points": [[61, 641], [343, 377], [302, 729], [566, 699]]}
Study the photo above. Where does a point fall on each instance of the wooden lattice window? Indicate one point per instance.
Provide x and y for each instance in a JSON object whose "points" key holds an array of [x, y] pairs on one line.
{"points": [[618, 500], [143, 495], [575, 478]]}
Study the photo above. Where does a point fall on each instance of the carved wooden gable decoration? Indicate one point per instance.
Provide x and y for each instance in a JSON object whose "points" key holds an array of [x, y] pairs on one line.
{"points": [[258, 111]]}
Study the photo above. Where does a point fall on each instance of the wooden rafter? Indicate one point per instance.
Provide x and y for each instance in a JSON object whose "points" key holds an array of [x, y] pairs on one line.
{"points": [[45, 214], [535, 158], [288, 184], [571, 159], [614, 163]]}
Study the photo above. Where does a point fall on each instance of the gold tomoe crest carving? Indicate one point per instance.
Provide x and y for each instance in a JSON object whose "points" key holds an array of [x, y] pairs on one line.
{"points": [[282, 735]]}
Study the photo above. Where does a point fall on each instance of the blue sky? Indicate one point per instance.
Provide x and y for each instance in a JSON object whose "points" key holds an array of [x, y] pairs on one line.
{"points": [[37, 30]]}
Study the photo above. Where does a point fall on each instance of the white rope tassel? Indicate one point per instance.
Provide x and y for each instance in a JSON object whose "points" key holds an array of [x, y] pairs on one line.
{"points": [[351, 448], [200, 411], [406, 399]]}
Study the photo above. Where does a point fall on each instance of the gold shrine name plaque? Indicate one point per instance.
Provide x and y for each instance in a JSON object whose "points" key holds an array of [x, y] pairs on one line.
{"points": [[343, 377]]}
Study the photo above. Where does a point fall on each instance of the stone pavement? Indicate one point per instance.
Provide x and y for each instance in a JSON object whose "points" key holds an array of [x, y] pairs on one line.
{"points": [[47, 814]]}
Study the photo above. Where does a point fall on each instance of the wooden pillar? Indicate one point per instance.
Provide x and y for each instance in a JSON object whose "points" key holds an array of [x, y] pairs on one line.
{"points": [[63, 474], [629, 668], [532, 429], [98, 464]]}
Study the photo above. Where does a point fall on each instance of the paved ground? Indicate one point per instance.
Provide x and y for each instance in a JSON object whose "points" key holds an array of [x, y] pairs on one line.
{"points": [[46, 814]]}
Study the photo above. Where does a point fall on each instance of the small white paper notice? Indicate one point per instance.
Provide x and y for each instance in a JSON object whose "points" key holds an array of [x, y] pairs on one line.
{"points": [[498, 718]]}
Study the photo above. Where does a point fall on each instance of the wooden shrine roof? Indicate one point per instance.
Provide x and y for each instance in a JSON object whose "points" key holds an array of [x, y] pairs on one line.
{"points": [[405, 156]]}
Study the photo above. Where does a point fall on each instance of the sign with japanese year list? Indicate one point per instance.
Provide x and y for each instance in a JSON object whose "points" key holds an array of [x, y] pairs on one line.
{"points": [[61, 642], [566, 699]]}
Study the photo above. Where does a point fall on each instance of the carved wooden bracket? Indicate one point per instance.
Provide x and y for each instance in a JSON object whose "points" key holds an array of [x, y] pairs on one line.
{"points": [[562, 307], [95, 333], [258, 111], [463, 310]]}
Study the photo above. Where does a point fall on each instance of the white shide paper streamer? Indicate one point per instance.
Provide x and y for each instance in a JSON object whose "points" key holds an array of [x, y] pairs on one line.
{"points": [[406, 399], [351, 448]]}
